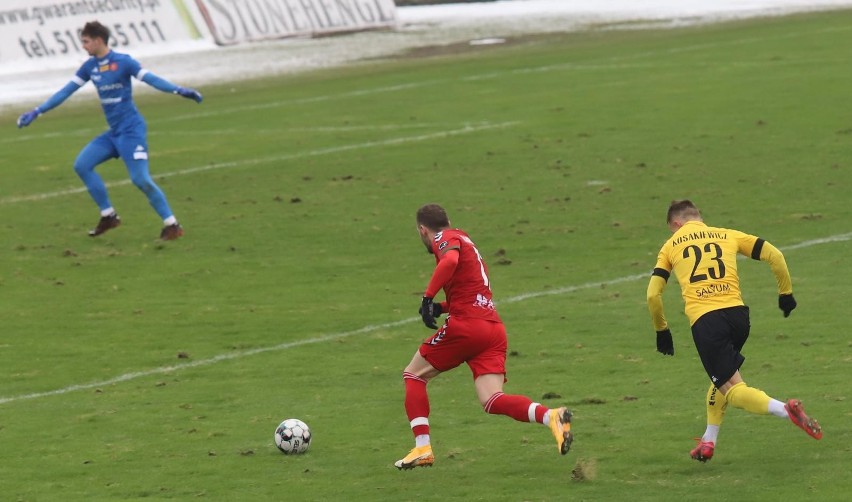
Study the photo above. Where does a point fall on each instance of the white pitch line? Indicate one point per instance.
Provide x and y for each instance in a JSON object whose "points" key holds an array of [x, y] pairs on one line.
{"points": [[824, 240], [301, 101], [571, 289], [21, 138], [468, 129], [285, 130], [204, 362], [206, 132], [366, 329], [615, 64]]}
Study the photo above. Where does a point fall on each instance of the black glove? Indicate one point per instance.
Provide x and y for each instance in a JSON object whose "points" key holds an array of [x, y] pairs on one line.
{"points": [[665, 345], [436, 310], [429, 311], [786, 303]]}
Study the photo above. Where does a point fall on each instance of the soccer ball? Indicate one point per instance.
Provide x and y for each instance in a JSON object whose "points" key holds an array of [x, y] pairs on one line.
{"points": [[293, 436]]}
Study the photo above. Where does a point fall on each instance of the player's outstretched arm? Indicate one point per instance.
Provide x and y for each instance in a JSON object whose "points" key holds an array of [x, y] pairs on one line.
{"points": [[27, 118], [164, 85]]}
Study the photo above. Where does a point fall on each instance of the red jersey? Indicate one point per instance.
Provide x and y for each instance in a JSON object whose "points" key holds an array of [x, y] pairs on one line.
{"points": [[468, 290]]}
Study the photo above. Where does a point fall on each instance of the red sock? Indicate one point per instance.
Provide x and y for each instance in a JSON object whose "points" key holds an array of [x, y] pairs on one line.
{"points": [[521, 408], [416, 403]]}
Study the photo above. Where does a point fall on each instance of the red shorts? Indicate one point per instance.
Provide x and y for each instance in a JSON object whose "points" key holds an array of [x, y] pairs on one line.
{"points": [[479, 343]]}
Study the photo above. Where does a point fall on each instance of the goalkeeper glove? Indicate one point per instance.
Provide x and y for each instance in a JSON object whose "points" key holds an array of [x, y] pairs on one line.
{"points": [[665, 345], [27, 118], [786, 303], [188, 93]]}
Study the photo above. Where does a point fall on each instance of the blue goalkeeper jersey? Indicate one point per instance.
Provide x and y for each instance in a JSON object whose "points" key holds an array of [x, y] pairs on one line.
{"points": [[111, 77]]}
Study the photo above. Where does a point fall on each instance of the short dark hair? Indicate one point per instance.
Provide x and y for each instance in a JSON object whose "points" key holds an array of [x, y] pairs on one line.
{"points": [[433, 217], [94, 29], [682, 208]]}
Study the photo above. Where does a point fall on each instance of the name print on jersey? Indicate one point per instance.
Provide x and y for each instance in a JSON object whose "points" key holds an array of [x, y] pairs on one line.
{"points": [[699, 235]]}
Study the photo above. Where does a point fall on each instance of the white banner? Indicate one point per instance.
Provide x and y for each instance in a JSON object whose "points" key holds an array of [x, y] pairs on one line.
{"points": [[236, 21], [44, 32]]}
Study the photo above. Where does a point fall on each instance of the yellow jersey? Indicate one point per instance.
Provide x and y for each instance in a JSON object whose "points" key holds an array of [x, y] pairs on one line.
{"points": [[704, 260]]}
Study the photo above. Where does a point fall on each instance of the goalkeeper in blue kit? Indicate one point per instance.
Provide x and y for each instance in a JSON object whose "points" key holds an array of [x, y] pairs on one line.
{"points": [[110, 72]]}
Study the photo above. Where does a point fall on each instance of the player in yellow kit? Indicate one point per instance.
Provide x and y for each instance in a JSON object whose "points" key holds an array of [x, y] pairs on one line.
{"points": [[704, 260]]}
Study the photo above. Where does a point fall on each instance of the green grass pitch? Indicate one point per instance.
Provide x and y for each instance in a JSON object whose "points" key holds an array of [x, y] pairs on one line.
{"points": [[133, 369]]}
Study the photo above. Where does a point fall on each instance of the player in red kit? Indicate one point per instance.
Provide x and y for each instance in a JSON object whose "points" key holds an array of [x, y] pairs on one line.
{"points": [[472, 333]]}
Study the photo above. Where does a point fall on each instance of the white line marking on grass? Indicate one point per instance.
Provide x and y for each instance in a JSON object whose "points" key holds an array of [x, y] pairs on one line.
{"points": [[204, 362], [614, 64], [207, 132], [301, 101], [571, 289], [285, 130], [20, 138], [277, 130], [468, 129], [366, 329], [824, 240]]}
